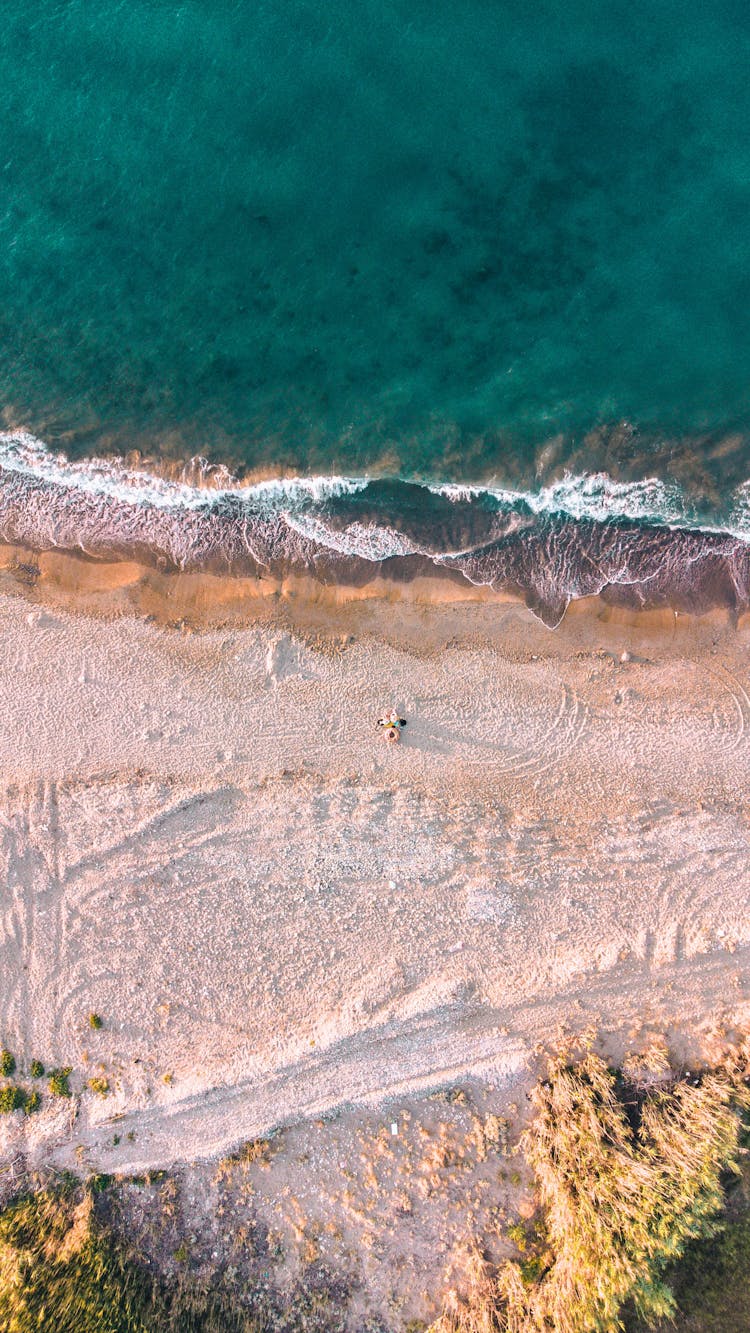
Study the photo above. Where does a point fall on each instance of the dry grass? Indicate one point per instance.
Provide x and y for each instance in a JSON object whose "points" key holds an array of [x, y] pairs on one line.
{"points": [[62, 1269], [621, 1191], [56, 1266]]}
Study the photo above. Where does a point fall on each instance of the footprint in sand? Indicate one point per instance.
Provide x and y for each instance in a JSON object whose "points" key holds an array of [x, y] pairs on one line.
{"points": [[285, 658], [488, 903]]}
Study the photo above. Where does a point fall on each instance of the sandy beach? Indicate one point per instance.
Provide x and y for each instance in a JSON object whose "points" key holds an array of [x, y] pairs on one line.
{"points": [[206, 841]]}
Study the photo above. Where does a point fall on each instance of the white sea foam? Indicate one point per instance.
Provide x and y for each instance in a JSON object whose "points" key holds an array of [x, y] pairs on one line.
{"points": [[457, 493], [22, 453], [596, 496], [369, 541], [739, 518]]}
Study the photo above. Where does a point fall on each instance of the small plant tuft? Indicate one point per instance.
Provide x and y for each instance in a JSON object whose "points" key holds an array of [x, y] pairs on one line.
{"points": [[12, 1098], [532, 1269], [100, 1086], [95, 1021], [99, 1183], [7, 1063], [518, 1234], [36, 1069], [58, 1082]]}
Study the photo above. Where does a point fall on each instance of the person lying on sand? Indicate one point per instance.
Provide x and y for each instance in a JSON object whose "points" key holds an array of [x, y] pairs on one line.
{"points": [[392, 724]]}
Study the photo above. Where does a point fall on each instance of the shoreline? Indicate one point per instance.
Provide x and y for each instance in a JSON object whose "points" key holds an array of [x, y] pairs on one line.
{"points": [[389, 608], [637, 546]]}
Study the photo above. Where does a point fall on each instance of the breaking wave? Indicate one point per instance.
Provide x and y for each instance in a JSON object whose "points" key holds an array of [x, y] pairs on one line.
{"points": [[643, 543], [24, 455]]}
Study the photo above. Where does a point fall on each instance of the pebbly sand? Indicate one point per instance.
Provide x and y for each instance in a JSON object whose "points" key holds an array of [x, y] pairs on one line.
{"points": [[206, 840]]}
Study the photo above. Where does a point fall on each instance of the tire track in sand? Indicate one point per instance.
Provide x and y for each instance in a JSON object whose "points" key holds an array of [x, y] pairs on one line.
{"points": [[517, 740], [732, 730], [31, 921]]}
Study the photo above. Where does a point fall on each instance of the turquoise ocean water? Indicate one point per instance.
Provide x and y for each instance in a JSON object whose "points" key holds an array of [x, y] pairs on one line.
{"points": [[446, 243]]}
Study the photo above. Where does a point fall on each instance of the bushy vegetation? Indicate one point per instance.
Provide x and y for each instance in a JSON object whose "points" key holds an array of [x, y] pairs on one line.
{"points": [[58, 1082], [7, 1063], [57, 1270], [12, 1098], [61, 1269], [36, 1069], [95, 1021], [712, 1284], [622, 1191], [629, 1180], [15, 1098]]}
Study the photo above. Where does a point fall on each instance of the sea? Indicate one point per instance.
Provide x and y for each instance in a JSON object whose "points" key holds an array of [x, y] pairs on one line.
{"points": [[382, 286]]}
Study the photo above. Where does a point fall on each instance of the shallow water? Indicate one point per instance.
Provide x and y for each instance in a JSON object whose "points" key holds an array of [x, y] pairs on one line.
{"points": [[484, 270], [424, 238]]}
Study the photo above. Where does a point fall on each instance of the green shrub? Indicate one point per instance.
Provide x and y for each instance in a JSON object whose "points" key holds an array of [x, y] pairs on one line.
{"points": [[620, 1201], [712, 1283], [95, 1021], [7, 1063], [36, 1069], [99, 1085], [517, 1233], [58, 1082], [12, 1098]]}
